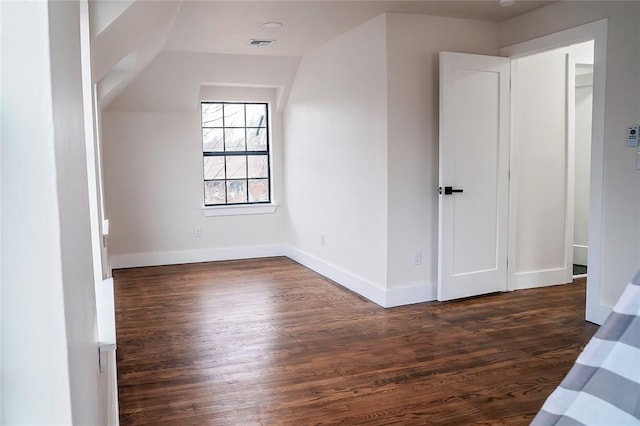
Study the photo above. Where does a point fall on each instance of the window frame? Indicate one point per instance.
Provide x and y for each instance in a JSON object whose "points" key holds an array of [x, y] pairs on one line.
{"points": [[234, 207]]}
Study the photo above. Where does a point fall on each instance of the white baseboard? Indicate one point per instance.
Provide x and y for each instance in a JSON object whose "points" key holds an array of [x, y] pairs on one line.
{"points": [[193, 256], [409, 295], [387, 298], [543, 278], [113, 418], [362, 286], [598, 314]]}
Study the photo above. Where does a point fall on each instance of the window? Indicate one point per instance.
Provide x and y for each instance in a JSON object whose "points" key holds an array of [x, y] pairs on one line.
{"points": [[235, 149]]}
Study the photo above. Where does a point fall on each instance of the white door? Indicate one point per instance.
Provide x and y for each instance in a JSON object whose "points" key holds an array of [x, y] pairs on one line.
{"points": [[542, 158], [474, 159]]}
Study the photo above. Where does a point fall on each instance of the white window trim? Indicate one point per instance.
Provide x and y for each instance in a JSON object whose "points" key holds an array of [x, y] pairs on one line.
{"points": [[239, 209]]}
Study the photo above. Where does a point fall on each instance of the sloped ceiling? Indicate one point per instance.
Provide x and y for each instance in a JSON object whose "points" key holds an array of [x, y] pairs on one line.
{"points": [[126, 36], [129, 34], [172, 82]]}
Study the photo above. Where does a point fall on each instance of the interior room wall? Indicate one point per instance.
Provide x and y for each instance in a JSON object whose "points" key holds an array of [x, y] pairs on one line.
{"points": [[152, 148], [336, 156], [413, 45], [621, 186], [33, 216], [87, 402], [49, 350]]}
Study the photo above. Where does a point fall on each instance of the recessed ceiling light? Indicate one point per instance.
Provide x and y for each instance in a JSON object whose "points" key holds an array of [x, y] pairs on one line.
{"points": [[272, 25]]}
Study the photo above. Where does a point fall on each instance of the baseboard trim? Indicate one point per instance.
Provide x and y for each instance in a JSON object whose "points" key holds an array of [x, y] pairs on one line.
{"points": [[135, 260], [362, 286], [536, 279], [598, 314], [387, 298], [410, 295]]}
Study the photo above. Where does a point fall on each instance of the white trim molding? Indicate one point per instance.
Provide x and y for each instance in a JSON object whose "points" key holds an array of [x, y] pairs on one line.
{"points": [[237, 210], [362, 286], [596, 311], [135, 260], [410, 294], [540, 278], [386, 298]]}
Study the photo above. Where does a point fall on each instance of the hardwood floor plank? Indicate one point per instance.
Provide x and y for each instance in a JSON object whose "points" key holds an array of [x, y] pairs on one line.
{"points": [[267, 341]]}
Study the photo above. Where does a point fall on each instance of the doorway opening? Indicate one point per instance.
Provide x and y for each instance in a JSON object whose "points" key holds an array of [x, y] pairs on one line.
{"points": [[550, 161], [597, 33], [583, 114]]}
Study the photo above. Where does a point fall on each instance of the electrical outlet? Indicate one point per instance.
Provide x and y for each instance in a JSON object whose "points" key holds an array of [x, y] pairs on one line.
{"points": [[322, 240], [417, 258], [198, 232]]}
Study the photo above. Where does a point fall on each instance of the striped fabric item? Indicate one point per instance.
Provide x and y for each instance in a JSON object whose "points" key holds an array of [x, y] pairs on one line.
{"points": [[603, 387]]}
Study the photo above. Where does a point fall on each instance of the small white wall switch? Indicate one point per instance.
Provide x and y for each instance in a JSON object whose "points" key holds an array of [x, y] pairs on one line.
{"points": [[632, 136], [417, 258], [198, 233]]}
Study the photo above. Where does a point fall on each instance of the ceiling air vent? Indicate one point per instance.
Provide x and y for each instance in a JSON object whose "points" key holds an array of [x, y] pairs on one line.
{"points": [[260, 42]]}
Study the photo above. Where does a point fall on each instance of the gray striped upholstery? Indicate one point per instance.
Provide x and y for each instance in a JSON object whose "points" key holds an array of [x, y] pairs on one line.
{"points": [[603, 387]]}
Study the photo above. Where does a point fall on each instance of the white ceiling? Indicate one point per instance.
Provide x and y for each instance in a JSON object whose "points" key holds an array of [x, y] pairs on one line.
{"points": [[227, 26], [128, 35]]}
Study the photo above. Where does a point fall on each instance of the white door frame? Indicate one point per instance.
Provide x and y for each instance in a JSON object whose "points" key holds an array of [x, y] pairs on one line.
{"points": [[597, 31]]}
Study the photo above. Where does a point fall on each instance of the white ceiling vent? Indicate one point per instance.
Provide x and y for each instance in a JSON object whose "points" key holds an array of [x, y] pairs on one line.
{"points": [[260, 42]]}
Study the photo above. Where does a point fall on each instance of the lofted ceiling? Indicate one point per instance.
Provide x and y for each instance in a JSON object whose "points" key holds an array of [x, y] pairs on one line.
{"points": [[227, 26], [128, 34]]}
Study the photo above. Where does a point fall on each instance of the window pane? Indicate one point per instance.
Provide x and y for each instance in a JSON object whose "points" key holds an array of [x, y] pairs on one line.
{"points": [[256, 115], [234, 115], [212, 140], [213, 168], [237, 167], [257, 139], [257, 165], [234, 140], [211, 115], [258, 190], [236, 191], [214, 192]]}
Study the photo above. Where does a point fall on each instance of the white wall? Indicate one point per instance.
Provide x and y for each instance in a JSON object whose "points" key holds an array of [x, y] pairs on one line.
{"points": [[413, 45], [1, 105], [49, 350], [621, 186], [152, 148], [336, 155], [35, 382]]}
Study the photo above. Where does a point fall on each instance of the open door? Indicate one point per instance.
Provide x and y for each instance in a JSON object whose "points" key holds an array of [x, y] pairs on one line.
{"points": [[542, 169], [474, 172]]}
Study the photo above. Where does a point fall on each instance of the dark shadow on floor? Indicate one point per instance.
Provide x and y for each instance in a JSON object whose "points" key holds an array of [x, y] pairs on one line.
{"points": [[579, 269]]}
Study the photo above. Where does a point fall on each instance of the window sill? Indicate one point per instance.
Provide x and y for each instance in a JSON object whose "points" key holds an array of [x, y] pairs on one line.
{"points": [[239, 210]]}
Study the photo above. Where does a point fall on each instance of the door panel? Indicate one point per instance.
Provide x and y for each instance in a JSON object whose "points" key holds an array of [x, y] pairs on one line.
{"points": [[541, 196], [474, 156]]}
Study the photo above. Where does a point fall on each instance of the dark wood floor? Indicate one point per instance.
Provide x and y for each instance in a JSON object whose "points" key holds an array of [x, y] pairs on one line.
{"points": [[270, 342]]}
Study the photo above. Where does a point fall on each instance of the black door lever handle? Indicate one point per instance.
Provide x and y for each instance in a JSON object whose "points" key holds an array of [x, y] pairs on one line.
{"points": [[448, 190]]}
